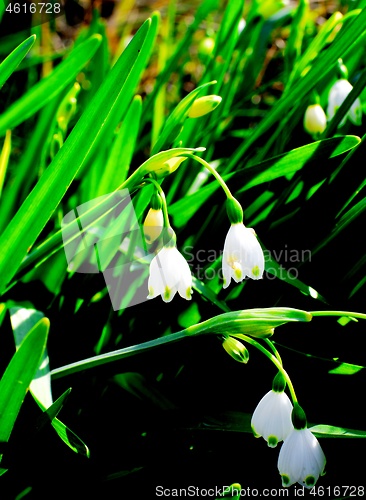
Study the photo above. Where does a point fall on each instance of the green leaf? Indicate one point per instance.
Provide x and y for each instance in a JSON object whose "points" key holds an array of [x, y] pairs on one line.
{"points": [[52, 411], [116, 170], [329, 431], [18, 376], [37, 209], [274, 268], [22, 321], [295, 160], [50, 86], [9, 65], [278, 166], [70, 438], [346, 369]]}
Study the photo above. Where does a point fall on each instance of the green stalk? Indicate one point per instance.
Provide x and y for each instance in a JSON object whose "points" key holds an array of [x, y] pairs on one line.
{"points": [[275, 361]]}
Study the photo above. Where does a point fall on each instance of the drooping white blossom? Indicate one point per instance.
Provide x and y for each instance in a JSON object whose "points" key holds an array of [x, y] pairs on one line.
{"points": [[337, 95], [169, 274], [272, 417], [242, 256], [301, 459]]}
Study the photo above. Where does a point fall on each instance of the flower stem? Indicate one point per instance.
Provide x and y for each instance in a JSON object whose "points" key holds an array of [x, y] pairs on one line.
{"points": [[273, 348], [349, 314], [275, 361], [217, 176]]}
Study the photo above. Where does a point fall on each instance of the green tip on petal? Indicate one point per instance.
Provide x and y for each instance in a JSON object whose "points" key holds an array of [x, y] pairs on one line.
{"points": [[255, 434], [256, 271], [238, 273], [272, 441], [188, 293], [285, 480], [310, 480], [167, 292]]}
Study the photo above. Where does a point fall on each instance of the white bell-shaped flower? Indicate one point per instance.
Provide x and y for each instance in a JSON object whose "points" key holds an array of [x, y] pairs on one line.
{"points": [[242, 256], [169, 274], [301, 459], [315, 120], [337, 95], [272, 418]]}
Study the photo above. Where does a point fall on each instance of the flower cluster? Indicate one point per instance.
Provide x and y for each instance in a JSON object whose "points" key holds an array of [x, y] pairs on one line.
{"points": [[170, 272], [301, 459], [315, 118]]}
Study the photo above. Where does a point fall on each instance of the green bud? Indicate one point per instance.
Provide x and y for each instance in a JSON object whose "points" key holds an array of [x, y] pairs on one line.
{"points": [[204, 105], [206, 46], [298, 417], [67, 108], [342, 70], [236, 350], [234, 210], [279, 383]]}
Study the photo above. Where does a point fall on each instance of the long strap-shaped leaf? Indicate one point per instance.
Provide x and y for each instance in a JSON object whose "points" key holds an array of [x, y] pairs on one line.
{"points": [[50, 86], [117, 89], [18, 376], [12, 61]]}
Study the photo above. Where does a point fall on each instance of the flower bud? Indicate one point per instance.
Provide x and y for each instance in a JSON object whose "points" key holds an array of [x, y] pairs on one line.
{"points": [[236, 350], [204, 105], [153, 225], [206, 46], [315, 120], [168, 167], [67, 108]]}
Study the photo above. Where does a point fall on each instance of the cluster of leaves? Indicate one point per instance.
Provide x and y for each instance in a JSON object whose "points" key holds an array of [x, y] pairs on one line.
{"points": [[76, 131]]}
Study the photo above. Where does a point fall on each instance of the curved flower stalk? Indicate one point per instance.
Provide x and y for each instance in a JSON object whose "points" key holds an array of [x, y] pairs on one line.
{"points": [[243, 256], [272, 417], [301, 457]]}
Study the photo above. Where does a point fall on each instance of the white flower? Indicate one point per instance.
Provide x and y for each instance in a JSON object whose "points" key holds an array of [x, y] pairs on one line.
{"points": [[301, 459], [272, 418], [337, 95], [243, 255], [315, 120], [169, 274]]}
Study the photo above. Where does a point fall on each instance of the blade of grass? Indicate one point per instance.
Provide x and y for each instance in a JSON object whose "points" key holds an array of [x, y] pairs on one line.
{"points": [[18, 376], [9, 65], [45, 90], [34, 213]]}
